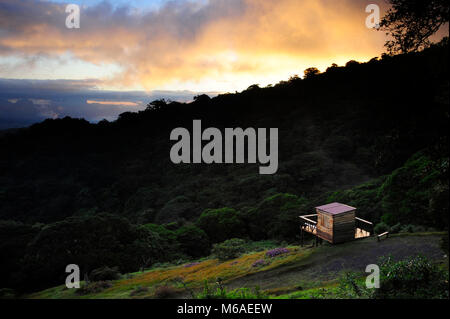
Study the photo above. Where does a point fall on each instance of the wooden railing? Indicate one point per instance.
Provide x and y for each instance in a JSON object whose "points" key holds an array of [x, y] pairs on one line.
{"points": [[383, 234], [364, 225], [307, 223]]}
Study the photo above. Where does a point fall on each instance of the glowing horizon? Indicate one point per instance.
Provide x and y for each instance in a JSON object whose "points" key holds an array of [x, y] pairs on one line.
{"points": [[197, 45]]}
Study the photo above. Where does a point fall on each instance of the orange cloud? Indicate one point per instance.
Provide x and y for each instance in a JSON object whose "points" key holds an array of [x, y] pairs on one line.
{"points": [[220, 45], [121, 103]]}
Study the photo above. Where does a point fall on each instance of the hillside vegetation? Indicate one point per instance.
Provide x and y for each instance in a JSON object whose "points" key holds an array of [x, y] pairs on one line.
{"points": [[373, 135], [297, 272]]}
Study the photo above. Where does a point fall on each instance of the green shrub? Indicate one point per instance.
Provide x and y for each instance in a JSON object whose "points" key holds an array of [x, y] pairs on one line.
{"points": [[162, 231], [412, 278], [168, 241], [193, 241], [140, 202], [276, 217], [415, 277], [415, 193], [421, 229], [104, 274], [414, 228], [229, 249], [396, 228], [407, 228], [220, 292], [256, 246], [364, 197], [166, 292], [93, 287], [388, 218], [351, 286], [138, 291], [6, 293], [381, 228], [94, 241], [176, 208], [221, 224]]}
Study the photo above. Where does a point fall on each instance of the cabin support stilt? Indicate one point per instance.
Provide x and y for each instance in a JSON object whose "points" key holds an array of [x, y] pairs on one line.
{"points": [[301, 236]]}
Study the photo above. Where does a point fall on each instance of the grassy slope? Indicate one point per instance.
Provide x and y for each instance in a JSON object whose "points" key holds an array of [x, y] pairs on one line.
{"points": [[302, 273]]}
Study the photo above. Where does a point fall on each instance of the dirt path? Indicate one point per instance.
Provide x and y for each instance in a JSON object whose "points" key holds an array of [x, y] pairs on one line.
{"points": [[328, 261]]}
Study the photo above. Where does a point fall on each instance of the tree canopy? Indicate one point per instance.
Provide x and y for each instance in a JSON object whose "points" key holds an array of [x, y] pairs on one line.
{"points": [[411, 23]]}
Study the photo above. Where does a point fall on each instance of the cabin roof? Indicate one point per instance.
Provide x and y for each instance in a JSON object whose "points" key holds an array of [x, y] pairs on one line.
{"points": [[335, 208]]}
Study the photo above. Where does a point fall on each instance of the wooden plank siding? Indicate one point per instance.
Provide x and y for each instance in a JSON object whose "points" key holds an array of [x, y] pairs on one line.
{"points": [[336, 228], [325, 226], [344, 227]]}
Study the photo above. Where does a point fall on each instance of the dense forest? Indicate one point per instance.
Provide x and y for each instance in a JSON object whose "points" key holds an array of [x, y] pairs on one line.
{"points": [[373, 135]]}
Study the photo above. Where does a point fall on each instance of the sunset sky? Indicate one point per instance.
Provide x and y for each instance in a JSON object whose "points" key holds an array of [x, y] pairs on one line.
{"points": [[154, 47]]}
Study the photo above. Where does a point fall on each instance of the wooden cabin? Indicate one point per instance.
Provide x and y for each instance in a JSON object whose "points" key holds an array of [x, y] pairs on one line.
{"points": [[336, 223]]}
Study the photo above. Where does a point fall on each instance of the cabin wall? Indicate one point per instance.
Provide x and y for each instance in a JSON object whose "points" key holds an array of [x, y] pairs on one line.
{"points": [[344, 227], [336, 228], [324, 226]]}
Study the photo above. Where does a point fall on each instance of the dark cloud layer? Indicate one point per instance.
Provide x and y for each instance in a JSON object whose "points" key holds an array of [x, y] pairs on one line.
{"points": [[23, 102]]}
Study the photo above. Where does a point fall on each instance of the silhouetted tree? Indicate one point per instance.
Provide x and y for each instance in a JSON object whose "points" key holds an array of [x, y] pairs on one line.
{"points": [[157, 104], [202, 98], [311, 72], [332, 68], [253, 87], [412, 22], [351, 63]]}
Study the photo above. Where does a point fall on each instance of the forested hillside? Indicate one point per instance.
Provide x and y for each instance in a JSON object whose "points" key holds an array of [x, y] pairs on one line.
{"points": [[373, 135]]}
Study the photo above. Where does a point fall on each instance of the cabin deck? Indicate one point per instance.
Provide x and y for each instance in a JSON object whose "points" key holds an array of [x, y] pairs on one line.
{"points": [[359, 233]]}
